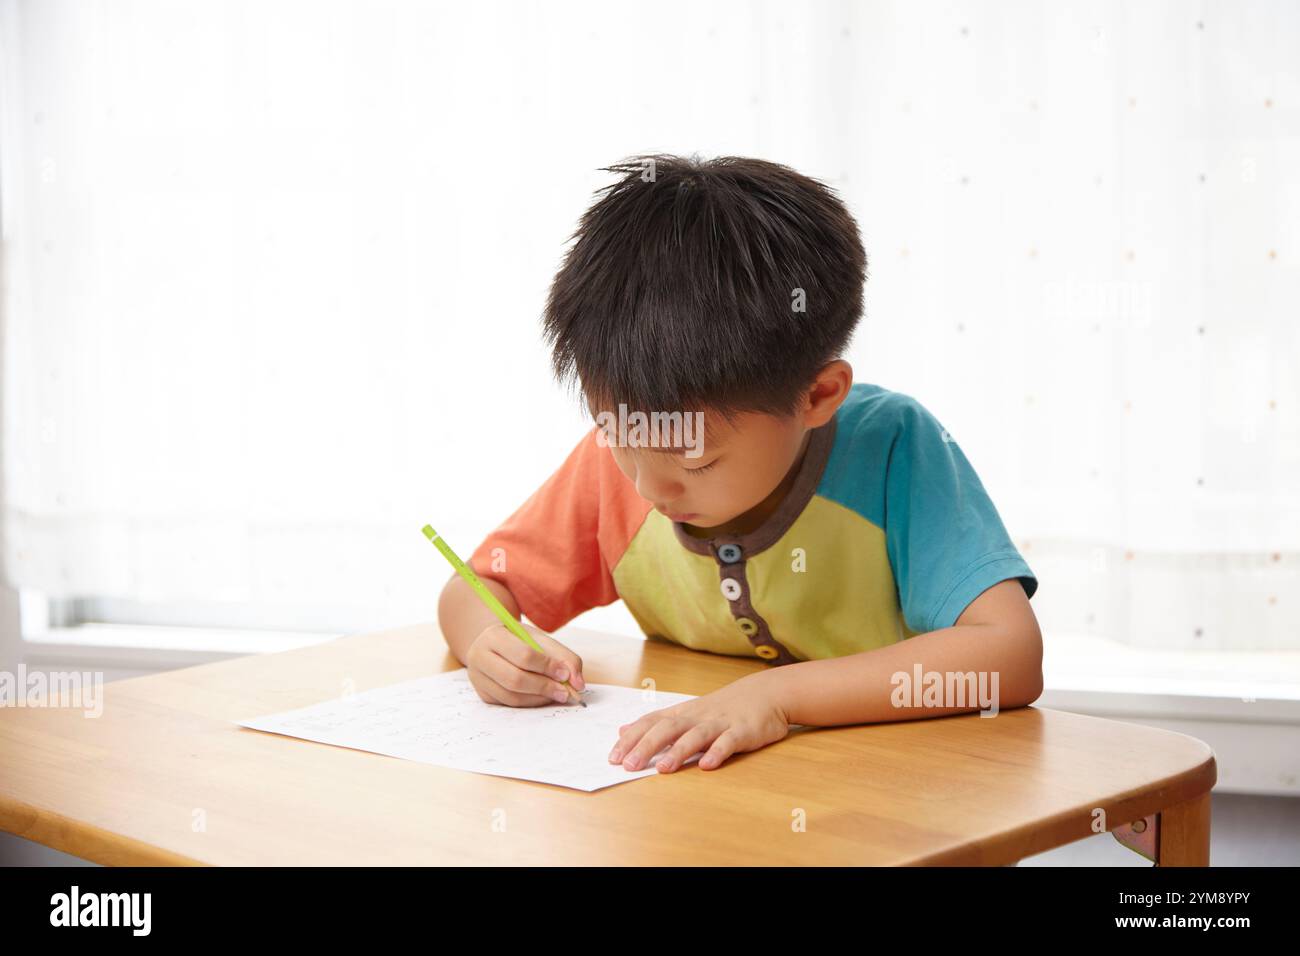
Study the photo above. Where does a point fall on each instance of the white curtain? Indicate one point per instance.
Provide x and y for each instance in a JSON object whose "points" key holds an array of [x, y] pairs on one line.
{"points": [[273, 273]]}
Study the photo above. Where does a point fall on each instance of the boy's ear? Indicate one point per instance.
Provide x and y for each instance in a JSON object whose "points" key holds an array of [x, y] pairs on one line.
{"points": [[828, 392]]}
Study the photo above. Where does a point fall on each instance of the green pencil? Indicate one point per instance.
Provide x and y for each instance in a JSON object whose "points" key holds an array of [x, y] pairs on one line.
{"points": [[488, 598]]}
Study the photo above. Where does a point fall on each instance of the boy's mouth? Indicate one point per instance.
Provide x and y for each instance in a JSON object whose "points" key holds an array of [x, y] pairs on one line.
{"points": [[673, 516]]}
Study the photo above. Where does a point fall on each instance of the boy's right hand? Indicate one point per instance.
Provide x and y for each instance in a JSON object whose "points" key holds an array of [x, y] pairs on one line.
{"points": [[505, 670]]}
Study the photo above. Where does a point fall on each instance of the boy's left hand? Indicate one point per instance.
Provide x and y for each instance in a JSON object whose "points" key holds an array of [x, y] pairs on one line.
{"points": [[740, 717]]}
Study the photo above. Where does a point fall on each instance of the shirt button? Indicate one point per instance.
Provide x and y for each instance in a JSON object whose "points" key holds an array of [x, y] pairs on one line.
{"points": [[730, 588], [747, 626], [767, 652], [729, 553]]}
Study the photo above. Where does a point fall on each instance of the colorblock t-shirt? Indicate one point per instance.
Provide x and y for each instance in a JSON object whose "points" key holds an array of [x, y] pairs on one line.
{"points": [[886, 532]]}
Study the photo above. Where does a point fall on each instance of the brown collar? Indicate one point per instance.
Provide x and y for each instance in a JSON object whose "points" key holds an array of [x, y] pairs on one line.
{"points": [[778, 522]]}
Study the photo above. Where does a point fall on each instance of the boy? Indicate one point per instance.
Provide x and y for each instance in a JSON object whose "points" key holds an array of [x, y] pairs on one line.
{"points": [[832, 530]]}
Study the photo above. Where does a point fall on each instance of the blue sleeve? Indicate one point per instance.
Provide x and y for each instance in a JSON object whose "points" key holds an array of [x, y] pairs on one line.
{"points": [[946, 541]]}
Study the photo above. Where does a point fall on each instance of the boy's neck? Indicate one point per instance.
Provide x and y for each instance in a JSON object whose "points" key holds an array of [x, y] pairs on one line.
{"points": [[755, 516]]}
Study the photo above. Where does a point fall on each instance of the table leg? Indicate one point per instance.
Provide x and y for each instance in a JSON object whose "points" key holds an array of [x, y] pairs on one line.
{"points": [[1183, 833]]}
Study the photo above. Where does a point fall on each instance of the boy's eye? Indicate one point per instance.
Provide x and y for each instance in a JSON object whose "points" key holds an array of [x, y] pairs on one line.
{"points": [[696, 471]]}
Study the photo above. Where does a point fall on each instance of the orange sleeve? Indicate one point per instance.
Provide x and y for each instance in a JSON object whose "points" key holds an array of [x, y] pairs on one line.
{"points": [[557, 552]]}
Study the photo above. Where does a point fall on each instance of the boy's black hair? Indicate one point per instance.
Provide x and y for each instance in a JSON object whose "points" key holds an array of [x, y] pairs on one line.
{"points": [[680, 291]]}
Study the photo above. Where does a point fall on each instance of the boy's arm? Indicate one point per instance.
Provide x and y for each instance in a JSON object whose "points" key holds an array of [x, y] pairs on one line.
{"points": [[462, 615], [548, 559], [997, 633]]}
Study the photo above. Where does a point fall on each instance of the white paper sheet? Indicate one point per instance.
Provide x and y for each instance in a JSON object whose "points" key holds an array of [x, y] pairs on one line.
{"points": [[441, 720]]}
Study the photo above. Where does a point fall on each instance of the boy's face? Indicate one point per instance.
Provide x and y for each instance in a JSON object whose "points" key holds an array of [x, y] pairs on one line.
{"points": [[740, 466]]}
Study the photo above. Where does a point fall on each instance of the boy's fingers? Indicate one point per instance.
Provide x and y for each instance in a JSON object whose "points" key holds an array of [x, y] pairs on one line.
{"points": [[496, 694], [571, 660], [661, 735], [525, 658], [722, 748], [534, 677], [687, 745], [517, 688]]}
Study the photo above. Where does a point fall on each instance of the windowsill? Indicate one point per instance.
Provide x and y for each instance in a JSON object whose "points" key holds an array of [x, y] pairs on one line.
{"points": [[1107, 676], [155, 647]]}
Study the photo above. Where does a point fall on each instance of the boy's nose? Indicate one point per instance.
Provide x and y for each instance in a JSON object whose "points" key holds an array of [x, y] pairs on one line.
{"points": [[657, 490]]}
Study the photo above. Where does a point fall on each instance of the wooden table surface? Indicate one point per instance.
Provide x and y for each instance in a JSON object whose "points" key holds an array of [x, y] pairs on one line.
{"points": [[164, 776]]}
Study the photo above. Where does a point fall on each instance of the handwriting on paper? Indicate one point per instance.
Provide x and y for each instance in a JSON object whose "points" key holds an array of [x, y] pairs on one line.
{"points": [[441, 720]]}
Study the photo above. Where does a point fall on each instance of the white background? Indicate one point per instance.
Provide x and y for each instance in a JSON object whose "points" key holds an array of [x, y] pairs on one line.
{"points": [[274, 273]]}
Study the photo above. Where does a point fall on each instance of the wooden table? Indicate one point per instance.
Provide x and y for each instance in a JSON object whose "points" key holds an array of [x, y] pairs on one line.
{"points": [[164, 776]]}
